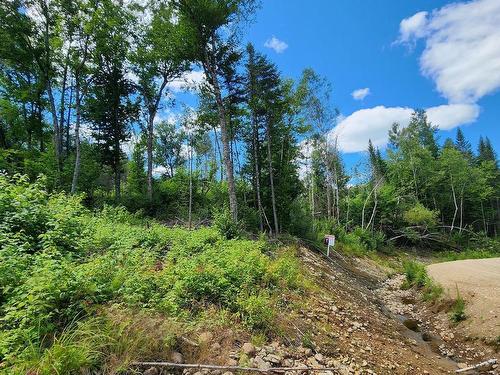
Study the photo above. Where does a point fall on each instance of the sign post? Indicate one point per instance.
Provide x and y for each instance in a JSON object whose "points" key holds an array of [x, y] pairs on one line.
{"points": [[330, 241]]}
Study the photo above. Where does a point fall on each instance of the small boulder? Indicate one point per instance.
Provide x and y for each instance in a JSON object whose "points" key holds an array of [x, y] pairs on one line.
{"points": [[177, 357], [151, 371], [260, 363], [205, 337], [319, 357], [248, 349], [215, 347], [232, 362]]}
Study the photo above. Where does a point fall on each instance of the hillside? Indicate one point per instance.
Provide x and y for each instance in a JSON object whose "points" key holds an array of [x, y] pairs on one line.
{"points": [[101, 292]]}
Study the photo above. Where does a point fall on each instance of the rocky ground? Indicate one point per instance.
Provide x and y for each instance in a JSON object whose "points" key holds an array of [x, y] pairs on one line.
{"points": [[358, 321]]}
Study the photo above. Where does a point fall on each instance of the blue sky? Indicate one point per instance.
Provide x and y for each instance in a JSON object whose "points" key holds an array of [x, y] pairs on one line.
{"points": [[445, 56]]}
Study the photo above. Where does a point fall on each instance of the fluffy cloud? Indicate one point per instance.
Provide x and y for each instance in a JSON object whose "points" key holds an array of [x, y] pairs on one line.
{"points": [[354, 131], [413, 27], [462, 48], [452, 115], [277, 45], [360, 94], [189, 81]]}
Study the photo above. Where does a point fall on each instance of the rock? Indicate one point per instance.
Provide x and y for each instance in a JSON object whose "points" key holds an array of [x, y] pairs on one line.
{"points": [[248, 349], [319, 357], [151, 371], [215, 347], [273, 358], [232, 362], [228, 373], [260, 363], [205, 337], [177, 357]]}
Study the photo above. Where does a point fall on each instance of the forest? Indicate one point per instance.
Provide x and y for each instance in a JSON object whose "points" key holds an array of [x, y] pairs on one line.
{"points": [[136, 131]]}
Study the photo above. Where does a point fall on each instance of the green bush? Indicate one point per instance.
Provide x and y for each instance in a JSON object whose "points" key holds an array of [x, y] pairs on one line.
{"points": [[224, 222], [416, 276], [419, 215], [457, 313], [60, 263]]}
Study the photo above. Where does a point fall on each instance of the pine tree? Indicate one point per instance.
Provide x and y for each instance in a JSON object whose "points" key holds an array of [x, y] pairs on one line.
{"points": [[463, 145]]}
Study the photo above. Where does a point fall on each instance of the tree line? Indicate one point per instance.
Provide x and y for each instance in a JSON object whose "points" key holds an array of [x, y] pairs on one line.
{"points": [[84, 84]]}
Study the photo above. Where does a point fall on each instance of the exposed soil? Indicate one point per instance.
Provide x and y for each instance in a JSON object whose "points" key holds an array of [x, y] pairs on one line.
{"points": [[478, 282], [356, 320]]}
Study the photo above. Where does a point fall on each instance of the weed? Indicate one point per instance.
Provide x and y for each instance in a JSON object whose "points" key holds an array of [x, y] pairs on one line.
{"points": [[457, 313]]}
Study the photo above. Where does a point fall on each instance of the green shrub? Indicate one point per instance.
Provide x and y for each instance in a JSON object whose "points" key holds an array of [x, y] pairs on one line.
{"points": [[419, 215], [228, 227], [257, 310], [61, 264], [416, 276], [457, 313]]}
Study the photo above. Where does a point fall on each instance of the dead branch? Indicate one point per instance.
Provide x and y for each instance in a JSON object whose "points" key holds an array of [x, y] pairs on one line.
{"points": [[233, 368], [483, 366]]}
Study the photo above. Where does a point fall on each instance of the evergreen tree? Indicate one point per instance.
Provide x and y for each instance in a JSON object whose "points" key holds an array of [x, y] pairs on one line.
{"points": [[463, 145]]}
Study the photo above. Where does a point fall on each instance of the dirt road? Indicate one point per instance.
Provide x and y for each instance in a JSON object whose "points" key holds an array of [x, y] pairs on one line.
{"points": [[478, 281]]}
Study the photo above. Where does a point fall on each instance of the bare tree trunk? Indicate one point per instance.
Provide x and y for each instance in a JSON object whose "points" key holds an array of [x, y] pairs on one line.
{"points": [[76, 171], [68, 121], [153, 106], [228, 162], [365, 203], [374, 209], [149, 151], [271, 178], [190, 182], [217, 145], [455, 202], [484, 219], [255, 145]]}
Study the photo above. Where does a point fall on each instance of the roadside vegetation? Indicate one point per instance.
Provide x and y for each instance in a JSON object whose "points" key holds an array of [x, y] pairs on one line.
{"points": [[76, 286]]}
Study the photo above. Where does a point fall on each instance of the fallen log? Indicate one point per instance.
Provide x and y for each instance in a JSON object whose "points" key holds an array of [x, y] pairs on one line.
{"points": [[229, 368], [486, 365]]}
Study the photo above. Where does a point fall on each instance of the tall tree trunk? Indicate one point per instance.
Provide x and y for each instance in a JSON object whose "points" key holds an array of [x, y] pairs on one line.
{"points": [[149, 151], [68, 121], [228, 162], [255, 149], [190, 182], [62, 107], [219, 152], [271, 177], [76, 171], [152, 110], [455, 202]]}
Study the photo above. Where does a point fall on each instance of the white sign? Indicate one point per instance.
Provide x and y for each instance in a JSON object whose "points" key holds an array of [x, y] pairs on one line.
{"points": [[330, 240]]}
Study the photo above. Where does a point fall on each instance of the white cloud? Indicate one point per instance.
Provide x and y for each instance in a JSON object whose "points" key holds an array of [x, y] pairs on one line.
{"points": [[277, 45], [462, 48], [189, 81], [360, 94], [413, 27], [354, 131], [452, 115]]}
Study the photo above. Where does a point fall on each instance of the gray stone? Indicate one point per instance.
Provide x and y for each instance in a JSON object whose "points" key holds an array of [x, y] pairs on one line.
{"points": [[248, 349], [205, 337], [151, 371], [177, 357]]}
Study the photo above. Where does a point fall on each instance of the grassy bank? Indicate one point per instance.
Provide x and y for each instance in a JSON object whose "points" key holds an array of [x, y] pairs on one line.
{"points": [[82, 290]]}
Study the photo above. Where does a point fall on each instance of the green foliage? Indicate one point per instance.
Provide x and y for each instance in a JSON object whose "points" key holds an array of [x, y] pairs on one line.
{"points": [[226, 225], [419, 215], [457, 313], [416, 276], [60, 264]]}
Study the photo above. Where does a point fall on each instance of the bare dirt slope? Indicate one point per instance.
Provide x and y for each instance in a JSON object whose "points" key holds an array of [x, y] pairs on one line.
{"points": [[478, 282]]}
